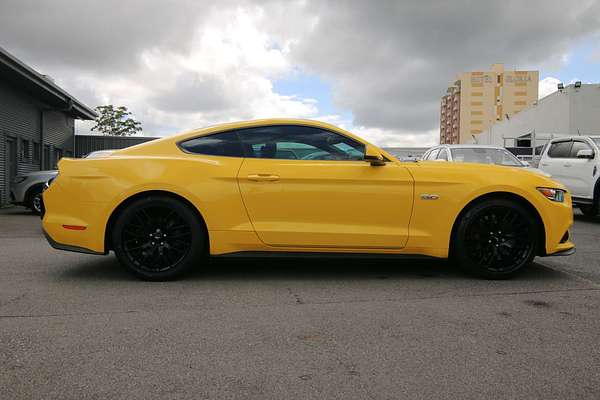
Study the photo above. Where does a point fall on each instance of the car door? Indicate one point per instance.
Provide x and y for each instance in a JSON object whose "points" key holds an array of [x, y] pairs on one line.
{"points": [[581, 171], [553, 161], [328, 196]]}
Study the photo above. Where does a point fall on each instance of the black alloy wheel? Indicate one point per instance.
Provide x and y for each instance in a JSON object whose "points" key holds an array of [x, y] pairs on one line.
{"points": [[495, 239], [159, 238], [34, 200], [36, 203]]}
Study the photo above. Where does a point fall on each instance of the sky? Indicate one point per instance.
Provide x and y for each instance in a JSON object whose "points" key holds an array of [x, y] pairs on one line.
{"points": [[376, 68]]}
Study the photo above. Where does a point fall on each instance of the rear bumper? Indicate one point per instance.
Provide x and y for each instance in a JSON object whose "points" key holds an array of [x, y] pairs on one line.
{"points": [[66, 247]]}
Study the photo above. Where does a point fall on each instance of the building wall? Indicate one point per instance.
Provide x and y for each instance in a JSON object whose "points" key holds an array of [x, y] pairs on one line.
{"points": [[488, 96], [21, 119], [450, 115], [570, 112]]}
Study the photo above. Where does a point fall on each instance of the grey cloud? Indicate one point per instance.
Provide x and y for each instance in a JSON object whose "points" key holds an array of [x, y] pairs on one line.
{"points": [[190, 93], [97, 35], [390, 61]]}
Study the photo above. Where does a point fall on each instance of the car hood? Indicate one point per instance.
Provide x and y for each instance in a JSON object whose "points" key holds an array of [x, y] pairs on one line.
{"points": [[537, 171]]}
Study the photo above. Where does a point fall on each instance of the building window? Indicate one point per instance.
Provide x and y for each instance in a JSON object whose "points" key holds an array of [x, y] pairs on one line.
{"points": [[520, 93], [476, 112], [57, 156], [36, 152], [477, 122], [520, 103], [24, 155], [477, 103], [477, 94], [47, 155]]}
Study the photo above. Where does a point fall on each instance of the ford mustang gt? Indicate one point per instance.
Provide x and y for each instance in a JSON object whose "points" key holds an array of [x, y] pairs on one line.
{"points": [[286, 186]]}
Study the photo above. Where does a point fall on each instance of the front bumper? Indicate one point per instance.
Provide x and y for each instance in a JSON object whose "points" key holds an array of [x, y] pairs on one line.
{"points": [[566, 252]]}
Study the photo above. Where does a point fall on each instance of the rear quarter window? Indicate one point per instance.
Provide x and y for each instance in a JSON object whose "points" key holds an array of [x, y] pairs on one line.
{"points": [[220, 144]]}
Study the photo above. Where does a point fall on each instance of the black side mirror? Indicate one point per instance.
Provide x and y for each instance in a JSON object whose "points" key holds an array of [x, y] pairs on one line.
{"points": [[374, 160]]}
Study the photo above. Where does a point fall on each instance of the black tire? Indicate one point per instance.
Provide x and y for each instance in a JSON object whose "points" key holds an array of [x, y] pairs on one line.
{"points": [[495, 239], [159, 238], [589, 210], [34, 200]]}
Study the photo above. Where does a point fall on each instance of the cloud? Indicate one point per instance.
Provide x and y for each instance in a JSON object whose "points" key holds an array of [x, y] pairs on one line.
{"points": [[547, 86], [188, 64], [389, 62]]}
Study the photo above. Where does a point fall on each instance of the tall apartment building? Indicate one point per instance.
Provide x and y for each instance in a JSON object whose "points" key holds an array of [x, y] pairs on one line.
{"points": [[479, 99]]}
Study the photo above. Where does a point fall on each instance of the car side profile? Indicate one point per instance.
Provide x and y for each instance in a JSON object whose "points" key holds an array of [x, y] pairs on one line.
{"points": [[288, 186], [574, 161]]}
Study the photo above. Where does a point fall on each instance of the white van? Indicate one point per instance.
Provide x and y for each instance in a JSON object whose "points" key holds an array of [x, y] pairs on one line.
{"points": [[574, 161]]}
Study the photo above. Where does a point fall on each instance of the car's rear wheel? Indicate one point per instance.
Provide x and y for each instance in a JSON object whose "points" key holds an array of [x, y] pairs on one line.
{"points": [[159, 238], [495, 239]]}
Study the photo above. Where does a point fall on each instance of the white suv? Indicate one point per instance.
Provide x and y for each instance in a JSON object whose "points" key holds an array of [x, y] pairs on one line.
{"points": [[574, 161]]}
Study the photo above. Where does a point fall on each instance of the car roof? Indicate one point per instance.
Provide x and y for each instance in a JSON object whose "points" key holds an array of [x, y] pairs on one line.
{"points": [[140, 148]]}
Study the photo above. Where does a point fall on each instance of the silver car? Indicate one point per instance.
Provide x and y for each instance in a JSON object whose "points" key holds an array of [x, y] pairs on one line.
{"points": [[26, 189], [482, 154]]}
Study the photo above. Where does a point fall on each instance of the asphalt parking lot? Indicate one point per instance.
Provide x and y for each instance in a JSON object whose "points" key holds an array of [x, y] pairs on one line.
{"points": [[76, 326]]}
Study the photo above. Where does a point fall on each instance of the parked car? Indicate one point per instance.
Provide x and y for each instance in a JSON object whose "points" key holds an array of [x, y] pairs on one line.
{"points": [[164, 206], [574, 161], [26, 189], [478, 154]]}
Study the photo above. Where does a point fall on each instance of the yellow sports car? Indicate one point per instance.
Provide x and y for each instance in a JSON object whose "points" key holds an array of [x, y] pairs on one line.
{"points": [[287, 186]]}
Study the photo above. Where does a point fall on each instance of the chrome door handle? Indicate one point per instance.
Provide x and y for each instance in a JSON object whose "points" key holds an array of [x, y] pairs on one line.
{"points": [[544, 164], [263, 177], [567, 165]]}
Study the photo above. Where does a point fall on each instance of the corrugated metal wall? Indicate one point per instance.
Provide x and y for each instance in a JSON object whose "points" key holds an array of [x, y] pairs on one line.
{"points": [[85, 144], [21, 118]]}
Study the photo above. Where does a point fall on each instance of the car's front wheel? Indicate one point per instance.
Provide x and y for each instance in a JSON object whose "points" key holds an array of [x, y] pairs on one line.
{"points": [[159, 238], [34, 200], [495, 239]]}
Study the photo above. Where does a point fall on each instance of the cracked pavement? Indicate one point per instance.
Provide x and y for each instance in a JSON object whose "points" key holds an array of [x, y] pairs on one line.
{"points": [[76, 326]]}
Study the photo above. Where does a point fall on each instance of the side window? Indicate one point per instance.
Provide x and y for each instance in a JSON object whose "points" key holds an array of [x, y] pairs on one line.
{"points": [[560, 149], [577, 145], [291, 142], [443, 155], [433, 154], [220, 144]]}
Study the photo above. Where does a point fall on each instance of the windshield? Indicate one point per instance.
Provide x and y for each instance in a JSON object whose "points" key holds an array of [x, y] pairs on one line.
{"points": [[596, 140], [484, 155]]}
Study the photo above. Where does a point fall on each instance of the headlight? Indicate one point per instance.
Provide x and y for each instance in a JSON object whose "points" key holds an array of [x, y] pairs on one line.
{"points": [[557, 195], [20, 178]]}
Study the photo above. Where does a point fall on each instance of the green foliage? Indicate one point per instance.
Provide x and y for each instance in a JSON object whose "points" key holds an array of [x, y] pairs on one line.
{"points": [[116, 121]]}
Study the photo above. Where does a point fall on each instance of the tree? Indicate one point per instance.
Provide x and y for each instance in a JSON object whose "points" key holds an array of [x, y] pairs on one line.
{"points": [[116, 121]]}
